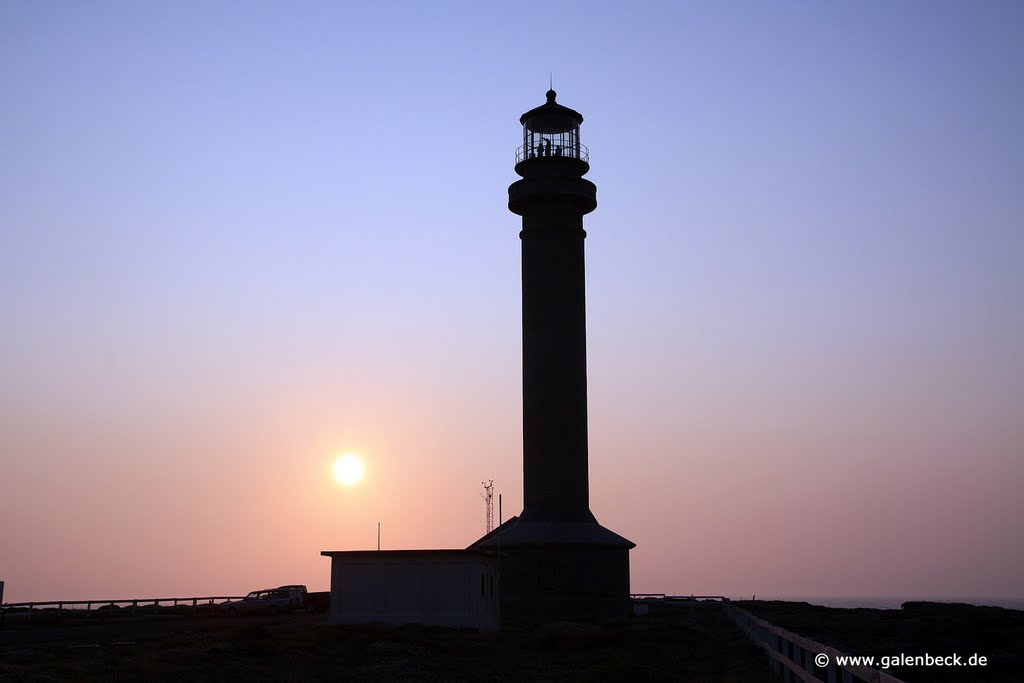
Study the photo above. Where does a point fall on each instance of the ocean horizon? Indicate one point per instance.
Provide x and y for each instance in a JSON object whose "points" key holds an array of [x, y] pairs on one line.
{"points": [[894, 602]]}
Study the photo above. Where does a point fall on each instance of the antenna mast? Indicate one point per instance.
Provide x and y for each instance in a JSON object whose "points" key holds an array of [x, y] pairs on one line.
{"points": [[488, 496]]}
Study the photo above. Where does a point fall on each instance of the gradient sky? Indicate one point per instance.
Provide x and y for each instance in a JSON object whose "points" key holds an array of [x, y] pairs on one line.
{"points": [[239, 238]]}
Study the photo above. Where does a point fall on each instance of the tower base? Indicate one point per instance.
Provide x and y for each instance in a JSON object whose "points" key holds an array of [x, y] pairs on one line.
{"points": [[553, 571]]}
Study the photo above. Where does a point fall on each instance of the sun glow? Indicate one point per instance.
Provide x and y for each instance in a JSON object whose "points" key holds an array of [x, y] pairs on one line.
{"points": [[348, 469]]}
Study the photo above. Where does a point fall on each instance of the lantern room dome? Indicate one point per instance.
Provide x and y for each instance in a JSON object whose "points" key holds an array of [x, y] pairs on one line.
{"points": [[551, 117], [552, 131]]}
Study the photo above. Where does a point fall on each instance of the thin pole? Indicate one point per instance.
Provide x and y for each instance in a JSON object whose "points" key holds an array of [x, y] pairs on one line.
{"points": [[378, 535], [499, 509]]}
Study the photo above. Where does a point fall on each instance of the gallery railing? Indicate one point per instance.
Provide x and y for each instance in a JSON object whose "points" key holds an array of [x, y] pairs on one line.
{"points": [[552, 152]]}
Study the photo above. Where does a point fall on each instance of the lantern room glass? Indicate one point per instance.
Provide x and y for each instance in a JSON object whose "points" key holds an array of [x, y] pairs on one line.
{"points": [[551, 141]]}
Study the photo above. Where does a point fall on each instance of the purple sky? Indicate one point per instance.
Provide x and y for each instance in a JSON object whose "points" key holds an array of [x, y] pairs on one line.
{"points": [[238, 239]]}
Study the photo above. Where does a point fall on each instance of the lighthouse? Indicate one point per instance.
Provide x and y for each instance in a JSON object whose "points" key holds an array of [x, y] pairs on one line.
{"points": [[555, 557]]}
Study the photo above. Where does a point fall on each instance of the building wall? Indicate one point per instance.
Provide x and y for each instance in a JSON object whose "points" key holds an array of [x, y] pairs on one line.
{"points": [[565, 581], [453, 588]]}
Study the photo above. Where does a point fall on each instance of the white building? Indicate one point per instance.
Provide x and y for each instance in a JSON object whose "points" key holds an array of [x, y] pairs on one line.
{"points": [[454, 588]]}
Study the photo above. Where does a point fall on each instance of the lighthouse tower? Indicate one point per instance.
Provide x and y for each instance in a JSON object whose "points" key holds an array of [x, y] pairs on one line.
{"points": [[555, 557]]}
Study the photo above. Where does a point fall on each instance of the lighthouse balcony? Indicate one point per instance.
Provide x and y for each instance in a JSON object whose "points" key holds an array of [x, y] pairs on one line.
{"points": [[552, 150]]}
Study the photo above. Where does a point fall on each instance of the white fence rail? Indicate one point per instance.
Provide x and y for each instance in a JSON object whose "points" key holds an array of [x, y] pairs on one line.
{"points": [[793, 656], [133, 606]]}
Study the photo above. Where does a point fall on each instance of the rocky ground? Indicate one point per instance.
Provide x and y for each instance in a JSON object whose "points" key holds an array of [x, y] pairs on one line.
{"points": [[670, 644]]}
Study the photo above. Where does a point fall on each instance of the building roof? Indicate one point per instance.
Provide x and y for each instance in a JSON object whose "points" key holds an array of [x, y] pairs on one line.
{"points": [[518, 532], [551, 117], [382, 554]]}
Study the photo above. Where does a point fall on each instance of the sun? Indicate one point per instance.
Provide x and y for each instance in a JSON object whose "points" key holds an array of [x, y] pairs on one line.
{"points": [[348, 469]]}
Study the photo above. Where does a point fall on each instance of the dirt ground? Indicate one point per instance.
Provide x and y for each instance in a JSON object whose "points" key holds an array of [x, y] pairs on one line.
{"points": [[672, 644]]}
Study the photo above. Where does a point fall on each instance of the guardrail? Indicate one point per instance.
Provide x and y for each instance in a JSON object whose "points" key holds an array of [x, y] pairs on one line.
{"points": [[792, 655], [133, 605], [643, 601], [689, 600], [580, 152], [661, 597]]}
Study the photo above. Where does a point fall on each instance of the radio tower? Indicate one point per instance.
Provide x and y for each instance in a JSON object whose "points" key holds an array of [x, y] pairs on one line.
{"points": [[488, 496]]}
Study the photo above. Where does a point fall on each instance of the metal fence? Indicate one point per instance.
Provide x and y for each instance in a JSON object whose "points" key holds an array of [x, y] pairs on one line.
{"points": [[130, 606]]}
